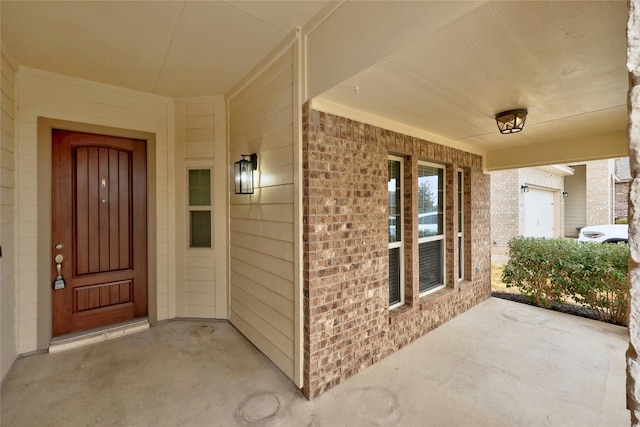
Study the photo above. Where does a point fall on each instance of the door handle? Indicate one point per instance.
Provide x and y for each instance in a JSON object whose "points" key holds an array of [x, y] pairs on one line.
{"points": [[59, 282]]}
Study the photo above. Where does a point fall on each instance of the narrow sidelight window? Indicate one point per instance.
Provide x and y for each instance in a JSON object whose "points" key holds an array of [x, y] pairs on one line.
{"points": [[460, 225], [396, 291], [200, 208], [431, 226]]}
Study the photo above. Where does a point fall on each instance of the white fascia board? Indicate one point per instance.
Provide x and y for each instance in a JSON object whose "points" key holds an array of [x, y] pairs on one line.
{"points": [[560, 170]]}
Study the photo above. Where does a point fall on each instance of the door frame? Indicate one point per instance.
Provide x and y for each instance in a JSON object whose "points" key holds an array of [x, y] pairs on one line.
{"points": [[45, 253]]}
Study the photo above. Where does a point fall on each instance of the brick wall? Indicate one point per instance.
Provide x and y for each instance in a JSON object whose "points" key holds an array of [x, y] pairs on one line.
{"points": [[505, 207], [622, 199], [348, 325], [600, 198]]}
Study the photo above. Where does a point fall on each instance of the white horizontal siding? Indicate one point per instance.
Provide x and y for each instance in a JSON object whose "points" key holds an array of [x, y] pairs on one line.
{"points": [[199, 136], [262, 225]]}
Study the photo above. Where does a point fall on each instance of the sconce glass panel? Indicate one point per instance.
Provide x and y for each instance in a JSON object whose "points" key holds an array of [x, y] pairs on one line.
{"points": [[243, 171]]}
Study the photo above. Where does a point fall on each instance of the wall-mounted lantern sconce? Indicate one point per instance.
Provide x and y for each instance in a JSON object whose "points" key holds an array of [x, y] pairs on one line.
{"points": [[243, 171], [565, 194], [511, 121], [524, 188]]}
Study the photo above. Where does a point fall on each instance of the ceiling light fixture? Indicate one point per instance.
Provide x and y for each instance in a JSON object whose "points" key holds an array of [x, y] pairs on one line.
{"points": [[511, 121]]}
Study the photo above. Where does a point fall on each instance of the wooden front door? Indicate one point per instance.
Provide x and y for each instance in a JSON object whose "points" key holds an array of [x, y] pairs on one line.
{"points": [[99, 226]]}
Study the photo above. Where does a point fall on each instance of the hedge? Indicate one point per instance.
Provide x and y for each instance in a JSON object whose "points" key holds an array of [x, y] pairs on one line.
{"points": [[558, 270]]}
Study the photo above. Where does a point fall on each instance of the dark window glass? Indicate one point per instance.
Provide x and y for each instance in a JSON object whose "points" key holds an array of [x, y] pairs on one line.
{"points": [[199, 187], [200, 208], [200, 229], [394, 276], [460, 227], [430, 265]]}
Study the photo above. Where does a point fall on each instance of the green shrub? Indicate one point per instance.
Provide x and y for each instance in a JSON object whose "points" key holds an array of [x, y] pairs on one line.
{"points": [[624, 220], [556, 270]]}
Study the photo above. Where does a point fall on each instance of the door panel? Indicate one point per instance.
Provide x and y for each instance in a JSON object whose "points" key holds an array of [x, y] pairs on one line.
{"points": [[539, 213], [99, 225]]}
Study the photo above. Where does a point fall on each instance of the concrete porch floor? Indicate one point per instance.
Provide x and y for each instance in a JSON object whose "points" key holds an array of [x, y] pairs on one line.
{"points": [[500, 364]]}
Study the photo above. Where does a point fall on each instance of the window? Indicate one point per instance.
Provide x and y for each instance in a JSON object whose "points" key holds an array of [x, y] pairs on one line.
{"points": [[200, 208], [396, 291], [460, 225], [430, 227]]}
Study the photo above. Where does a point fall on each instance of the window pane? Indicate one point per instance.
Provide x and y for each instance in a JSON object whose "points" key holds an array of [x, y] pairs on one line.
{"points": [[460, 258], [460, 226], [431, 273], [394, 276], [395, 214], [200, 229], [460, 202], [199, 187], [430, 201]]}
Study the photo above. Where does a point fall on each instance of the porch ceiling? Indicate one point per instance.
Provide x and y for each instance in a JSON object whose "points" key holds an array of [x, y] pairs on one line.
{"points": [[170, 48], [447, 77], [563, 61]]}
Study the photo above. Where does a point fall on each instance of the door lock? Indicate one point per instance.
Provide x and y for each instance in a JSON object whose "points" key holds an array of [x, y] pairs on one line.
{"points": [[59, 282]]}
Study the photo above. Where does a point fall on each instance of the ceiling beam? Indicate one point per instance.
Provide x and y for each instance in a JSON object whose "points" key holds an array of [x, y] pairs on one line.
{"points": [[595, 147]]}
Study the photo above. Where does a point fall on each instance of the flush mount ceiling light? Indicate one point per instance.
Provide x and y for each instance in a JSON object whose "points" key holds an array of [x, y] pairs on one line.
{"points": [[511, 121]]}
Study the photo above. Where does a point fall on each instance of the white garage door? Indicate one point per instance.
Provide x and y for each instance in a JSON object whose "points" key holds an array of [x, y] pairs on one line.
{"points": [[538, 213]]}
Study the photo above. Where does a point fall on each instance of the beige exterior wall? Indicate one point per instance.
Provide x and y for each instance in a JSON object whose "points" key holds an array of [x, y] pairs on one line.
{"points": [[262, 225], [86, 106], [576, 203], [591, 198], [600, 192], [8, 347], [201, 274]]}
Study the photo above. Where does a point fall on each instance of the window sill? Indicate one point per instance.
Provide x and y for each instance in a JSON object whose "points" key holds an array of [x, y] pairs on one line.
{"points": [[464, 284], [433, 298], [400, 313]]}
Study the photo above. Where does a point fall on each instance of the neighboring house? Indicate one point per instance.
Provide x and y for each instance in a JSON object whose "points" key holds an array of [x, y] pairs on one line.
{"points": [[373, 125], [622, 185], [526, 202], [591, 195], [555, 201]]}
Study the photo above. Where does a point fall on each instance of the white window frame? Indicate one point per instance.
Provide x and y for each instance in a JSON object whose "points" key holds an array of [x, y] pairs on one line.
{"points": [[460, 219], [442, 236], [189, 208], [399, 244]]}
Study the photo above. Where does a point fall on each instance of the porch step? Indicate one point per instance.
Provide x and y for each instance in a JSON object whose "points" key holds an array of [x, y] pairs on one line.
{"points": [[67, 342]]}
